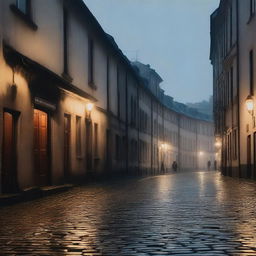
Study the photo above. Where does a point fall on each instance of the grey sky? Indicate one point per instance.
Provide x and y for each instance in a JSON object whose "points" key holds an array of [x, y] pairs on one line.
{"points": [[173, 36]]}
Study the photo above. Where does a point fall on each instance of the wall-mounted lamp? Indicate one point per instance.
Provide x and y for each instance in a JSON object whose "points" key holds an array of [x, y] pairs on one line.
{"points": [[89, 107], [217, 144], [249, 104], [201, 153], [164, 146]]}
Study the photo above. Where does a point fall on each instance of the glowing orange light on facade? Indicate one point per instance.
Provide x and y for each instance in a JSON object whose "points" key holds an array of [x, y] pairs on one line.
{"points": [[249, 104], [89, 107], [217, 144]]}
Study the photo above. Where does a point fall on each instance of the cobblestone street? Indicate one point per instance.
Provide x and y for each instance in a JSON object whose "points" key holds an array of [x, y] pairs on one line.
{"points": [[199, 213]]}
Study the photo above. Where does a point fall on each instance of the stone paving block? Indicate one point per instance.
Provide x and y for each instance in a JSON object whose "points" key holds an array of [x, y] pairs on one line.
{"points": [[138, 217]]}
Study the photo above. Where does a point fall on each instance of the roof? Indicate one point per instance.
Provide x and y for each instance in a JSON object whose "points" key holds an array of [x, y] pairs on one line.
{"points": [[109, 41]]}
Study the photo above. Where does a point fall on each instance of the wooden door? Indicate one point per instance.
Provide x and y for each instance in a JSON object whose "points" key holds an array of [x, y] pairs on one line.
{"points": [[249, 162], [9, 176], [67, 130], [89, 145], [108, 150], [41, 156]]}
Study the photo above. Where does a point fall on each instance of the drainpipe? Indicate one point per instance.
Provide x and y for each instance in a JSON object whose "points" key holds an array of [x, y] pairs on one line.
{"points": [[126, 124], [179, 143], [152, 143], [238, 85]]}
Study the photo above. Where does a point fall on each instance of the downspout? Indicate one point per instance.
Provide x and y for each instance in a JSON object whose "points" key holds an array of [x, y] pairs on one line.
{"points": [[151, 101], [179, 143], [138, 128], [126, 124], [238, 85]]}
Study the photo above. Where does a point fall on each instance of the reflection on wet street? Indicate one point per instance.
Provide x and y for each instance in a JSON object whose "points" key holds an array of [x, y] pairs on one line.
{"points": [[200, 213]]}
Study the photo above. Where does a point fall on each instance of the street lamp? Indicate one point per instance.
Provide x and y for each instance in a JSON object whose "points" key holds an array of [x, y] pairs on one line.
{"points": [[89, 107], [163, 146], [217, 144], [249, 104]]}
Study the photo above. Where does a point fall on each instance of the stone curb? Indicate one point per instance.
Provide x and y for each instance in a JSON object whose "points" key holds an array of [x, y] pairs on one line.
{"points": [[32, 193]]}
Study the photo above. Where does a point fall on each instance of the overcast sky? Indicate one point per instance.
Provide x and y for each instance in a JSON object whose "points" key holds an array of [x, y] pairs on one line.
{"points": [[173, 36]]}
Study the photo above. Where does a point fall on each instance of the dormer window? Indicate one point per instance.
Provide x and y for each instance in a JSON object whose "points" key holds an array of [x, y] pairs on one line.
{"points": [[23, 6]]}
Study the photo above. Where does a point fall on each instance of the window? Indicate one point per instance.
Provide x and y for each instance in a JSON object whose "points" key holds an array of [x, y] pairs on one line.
{"points": [[108, 94], [65, 41], [65, 44], [231, 27], [91, 63], [117, 155], [78, 136], [118, 91], [96, 153], [124, 148], [251, 71], [231, 84], [252, 7], [22, 9], [23, 6], [235, 145]]}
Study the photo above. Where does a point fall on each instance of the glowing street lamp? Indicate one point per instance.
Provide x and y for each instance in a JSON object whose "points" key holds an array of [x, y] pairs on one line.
{"points": [[163, 146], [201, 153], [249, 104], [89, 107], [217, 144]]}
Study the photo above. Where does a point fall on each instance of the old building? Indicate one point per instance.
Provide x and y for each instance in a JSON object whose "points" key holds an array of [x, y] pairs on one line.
{"points": [[232, 54], [72, 105]]}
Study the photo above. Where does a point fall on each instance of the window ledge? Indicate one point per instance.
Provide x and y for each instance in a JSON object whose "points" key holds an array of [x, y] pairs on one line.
{"points": [[251, 18], [67, 77], [92, 85], [25, 17]]}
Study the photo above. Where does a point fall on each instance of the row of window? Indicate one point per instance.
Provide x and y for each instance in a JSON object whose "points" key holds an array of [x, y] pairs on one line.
{"points": [[188, 144], [231, 141], [144, 122], [188, 161], [205, 145]]}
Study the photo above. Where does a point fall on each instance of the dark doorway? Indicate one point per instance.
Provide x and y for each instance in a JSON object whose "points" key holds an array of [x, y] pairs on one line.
{"points": [[108, 151], [9, 169], [67, 133], [41, 148], [89, 145], [249, 161]]}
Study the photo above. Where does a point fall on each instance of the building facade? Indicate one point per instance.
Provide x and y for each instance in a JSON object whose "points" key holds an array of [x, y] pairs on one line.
{"points": [[72, 105], [232, 55]]}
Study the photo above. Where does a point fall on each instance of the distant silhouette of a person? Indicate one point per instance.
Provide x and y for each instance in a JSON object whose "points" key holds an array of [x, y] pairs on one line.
{"points": [[162, 167], [215, 165], [174, 166], [209, 165]]}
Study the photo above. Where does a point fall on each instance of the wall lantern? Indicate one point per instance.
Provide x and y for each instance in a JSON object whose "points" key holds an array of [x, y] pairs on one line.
{"points": [[217, 144], [249, 104], [89, 107], [201, 153], [163, 146]]}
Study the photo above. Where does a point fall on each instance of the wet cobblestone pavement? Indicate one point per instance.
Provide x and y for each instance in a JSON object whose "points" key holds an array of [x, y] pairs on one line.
{"points": [[200, 213]]}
